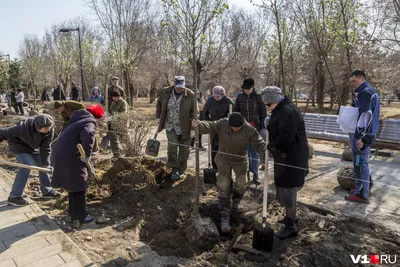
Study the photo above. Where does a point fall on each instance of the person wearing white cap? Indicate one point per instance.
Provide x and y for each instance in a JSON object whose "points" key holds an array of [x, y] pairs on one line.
{"points": [[216, 108], [175, 109]]}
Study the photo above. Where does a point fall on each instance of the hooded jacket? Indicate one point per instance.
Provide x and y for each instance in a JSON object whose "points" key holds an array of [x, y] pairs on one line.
{"points": [[26, 138], [96, 99]]}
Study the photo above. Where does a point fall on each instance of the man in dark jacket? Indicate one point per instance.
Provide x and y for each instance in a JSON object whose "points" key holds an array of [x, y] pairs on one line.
{"points": [[45, 96], [250, 105], [289, 146], [74, 92], [368, 103], [70, 173], [30, 141], [175, 109], [58, 93], [235, 135], [216, 108], [13, 99], [115, 87]]}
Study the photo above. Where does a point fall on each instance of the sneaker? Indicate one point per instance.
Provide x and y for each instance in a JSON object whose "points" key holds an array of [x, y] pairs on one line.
{"points": [[88, 219], [52, 194], [17, 201], [175, 176], [225, 224], [356, 198]]}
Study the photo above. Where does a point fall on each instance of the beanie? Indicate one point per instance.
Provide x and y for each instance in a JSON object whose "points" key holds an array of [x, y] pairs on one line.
{"points": [[96, 110], [236, 119], [58, 104], [42, 121]]}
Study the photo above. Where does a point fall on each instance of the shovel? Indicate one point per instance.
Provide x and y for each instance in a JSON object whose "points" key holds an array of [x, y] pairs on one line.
{"points": [[210, 174], [24, 166], [263, 235], [153, 146], [83, 156]]}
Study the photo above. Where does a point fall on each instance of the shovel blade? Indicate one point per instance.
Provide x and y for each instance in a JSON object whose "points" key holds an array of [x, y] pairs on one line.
{"points": [[263, 238], [210, 176], [152, 147]]}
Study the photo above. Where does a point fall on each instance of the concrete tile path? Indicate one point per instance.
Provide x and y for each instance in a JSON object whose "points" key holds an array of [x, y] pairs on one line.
{"points": [[29, 238]]}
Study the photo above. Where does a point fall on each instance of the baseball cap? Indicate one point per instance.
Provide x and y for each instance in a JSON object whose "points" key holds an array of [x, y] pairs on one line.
{"points": [[179, 81], [218, 91]]}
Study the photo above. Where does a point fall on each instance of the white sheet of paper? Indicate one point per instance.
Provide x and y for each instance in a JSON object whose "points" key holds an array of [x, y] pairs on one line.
{"points": [[348, 119]]}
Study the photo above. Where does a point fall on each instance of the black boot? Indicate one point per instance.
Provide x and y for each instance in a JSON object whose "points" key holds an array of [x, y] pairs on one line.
{"points": [[225, 223], [289, 230], [284, 221]]}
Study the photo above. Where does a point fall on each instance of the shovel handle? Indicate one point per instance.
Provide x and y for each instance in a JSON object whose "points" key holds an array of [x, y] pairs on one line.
{"points": [[265, 195], [83, 155], [230, 109], [209, 151], [24, 166]]}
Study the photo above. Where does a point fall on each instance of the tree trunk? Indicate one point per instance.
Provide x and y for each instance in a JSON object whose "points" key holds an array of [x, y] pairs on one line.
{"points": [[320, 76]]}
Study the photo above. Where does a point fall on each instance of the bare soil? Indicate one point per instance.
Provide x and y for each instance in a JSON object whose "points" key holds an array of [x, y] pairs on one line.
{"points": [[141, 218]]}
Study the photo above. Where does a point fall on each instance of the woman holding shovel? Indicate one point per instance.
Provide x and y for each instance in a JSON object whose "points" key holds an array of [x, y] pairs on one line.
{"points": [[70, 171], [289, 146]]}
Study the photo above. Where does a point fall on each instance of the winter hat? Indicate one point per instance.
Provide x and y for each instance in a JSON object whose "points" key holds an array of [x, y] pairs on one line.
{"points": [[58, 104], [236, 119], [96, 110], [248, 83], [218, 91], [271, 94], [42, 121], [115, 93], [179, 81]]}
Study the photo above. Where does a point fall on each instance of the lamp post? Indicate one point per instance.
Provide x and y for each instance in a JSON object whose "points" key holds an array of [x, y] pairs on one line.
{"points": [[80, 58]]}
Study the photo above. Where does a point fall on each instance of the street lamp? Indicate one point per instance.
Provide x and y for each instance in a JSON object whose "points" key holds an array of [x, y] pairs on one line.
{"points": [[80, 58]]}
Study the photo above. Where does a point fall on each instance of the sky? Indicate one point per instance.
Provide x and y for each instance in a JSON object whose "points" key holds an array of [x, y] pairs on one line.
{"points": [[21, 17]]}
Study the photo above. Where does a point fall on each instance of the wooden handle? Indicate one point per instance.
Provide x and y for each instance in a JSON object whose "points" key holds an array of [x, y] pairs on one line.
{"points": [[230, 108], [106, 96], [83, 155], [19, 165]]}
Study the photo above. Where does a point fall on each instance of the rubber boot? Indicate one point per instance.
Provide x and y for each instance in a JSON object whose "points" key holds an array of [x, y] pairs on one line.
{"points": [[289, 230]]}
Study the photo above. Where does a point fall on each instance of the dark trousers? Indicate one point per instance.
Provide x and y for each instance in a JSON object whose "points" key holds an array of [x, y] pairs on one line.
{"points": [[77, 205], [21, 109], [193, 140]]}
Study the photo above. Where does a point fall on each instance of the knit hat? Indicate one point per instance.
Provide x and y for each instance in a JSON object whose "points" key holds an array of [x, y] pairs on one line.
{"points": [[96, 110], [218, 91], [58, 104], [42, 121], [236, 119], [179, 81], [248, 83], [271, 94], [115, 93]]}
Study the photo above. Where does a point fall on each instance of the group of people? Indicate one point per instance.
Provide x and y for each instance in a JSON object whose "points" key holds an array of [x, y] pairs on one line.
{"points": [[15, 99], [238, 141]]}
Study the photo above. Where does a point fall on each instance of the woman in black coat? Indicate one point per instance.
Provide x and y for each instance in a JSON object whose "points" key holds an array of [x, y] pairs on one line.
{"points": [[289, 146], [70, 171]]}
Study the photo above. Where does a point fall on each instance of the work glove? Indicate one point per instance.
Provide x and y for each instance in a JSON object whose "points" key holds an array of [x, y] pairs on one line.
{"points": [[195, 123]]}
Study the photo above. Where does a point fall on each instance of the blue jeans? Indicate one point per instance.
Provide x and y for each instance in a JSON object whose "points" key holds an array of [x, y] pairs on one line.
{"points": [[254, 161], [23, 175], [361, 169]]}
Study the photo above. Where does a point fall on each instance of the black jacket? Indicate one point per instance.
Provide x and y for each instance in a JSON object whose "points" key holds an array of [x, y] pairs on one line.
{"points": [[45, 96], [215, 110], [24, 138], [252, 108], [75, 93], [58, 94], [288, 144]]}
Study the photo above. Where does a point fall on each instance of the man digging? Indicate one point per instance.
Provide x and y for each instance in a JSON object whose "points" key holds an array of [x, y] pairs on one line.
{"points": [[235, 134]]}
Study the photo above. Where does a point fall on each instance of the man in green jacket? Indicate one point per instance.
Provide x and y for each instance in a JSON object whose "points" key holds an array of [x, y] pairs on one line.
{"points": [[175, 109], [66, 108], [235, 134], [118, 105]]}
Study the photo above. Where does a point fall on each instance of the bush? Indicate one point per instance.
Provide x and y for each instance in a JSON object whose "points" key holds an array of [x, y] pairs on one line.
{"points": [[134, 128]]}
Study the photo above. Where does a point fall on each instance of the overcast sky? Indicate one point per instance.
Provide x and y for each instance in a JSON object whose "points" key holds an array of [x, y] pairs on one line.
{"points": [[21, 17]]}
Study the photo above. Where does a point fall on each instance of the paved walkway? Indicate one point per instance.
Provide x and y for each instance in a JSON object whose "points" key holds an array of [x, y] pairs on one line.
{"points": [[29, 238]]}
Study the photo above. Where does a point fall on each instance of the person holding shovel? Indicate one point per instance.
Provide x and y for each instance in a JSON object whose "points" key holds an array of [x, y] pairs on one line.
{"points": [[289, 146], [70, 171], [29, 141], [235, 135], [175, 109]]}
